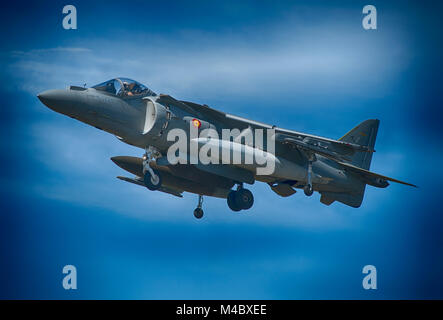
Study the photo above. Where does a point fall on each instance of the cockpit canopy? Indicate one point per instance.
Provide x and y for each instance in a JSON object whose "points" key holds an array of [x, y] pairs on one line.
{"points": [[124, 87]]}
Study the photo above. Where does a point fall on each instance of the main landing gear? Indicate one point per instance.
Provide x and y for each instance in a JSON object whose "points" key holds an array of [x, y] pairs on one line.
{"points": [[151, 177], [198, 212], [240, 199]]}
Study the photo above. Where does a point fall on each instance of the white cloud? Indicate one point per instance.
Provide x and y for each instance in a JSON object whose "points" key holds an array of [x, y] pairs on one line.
{"points": [[285, 58], [36, 52]]}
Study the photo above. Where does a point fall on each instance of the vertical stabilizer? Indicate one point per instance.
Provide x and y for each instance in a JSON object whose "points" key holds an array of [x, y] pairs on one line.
{"points": [[364, 134]]}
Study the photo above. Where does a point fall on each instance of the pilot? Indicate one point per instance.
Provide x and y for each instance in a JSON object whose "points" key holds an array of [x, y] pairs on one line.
{"points": [[129, 88]]}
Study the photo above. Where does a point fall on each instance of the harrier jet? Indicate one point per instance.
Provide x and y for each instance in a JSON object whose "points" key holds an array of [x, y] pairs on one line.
{"points": [[337, 169]]}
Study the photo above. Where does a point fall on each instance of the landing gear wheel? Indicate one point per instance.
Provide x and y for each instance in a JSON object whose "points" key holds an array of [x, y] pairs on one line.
{"points": [[152, 182], [244, 199], [308, 190], [232, 204], [198, 213]]}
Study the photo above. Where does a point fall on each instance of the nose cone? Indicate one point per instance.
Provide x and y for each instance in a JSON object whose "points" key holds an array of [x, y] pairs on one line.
{"points": [[57, 100], [62, 101]]}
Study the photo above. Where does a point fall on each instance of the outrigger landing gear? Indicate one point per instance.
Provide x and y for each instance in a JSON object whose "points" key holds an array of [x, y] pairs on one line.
{"points": [[308, 189], [151, 177], [198, 212], [240, 199]]}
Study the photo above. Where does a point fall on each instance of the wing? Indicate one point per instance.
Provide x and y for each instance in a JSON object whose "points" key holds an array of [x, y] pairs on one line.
{"points": [[336, 149]]}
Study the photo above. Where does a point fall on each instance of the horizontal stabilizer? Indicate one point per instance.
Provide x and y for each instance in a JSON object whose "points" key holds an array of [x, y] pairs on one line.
{"points": [[371, 175]]}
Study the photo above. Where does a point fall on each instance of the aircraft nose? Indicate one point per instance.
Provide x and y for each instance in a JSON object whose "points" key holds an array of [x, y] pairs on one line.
{"points": [[51, 98], [58, 100]]}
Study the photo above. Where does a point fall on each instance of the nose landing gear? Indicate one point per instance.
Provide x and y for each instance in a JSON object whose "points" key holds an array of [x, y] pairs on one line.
{"points": [[152, 178], [240, 199]]}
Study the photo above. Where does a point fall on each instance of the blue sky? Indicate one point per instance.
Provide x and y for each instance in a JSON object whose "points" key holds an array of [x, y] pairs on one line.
{"points": [[307, 66]]}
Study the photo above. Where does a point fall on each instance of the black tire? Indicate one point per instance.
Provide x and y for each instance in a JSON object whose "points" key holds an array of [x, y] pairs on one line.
{"points": [[244, 199], [308, 190], [198, 213], [152, 184], [232, 204]]}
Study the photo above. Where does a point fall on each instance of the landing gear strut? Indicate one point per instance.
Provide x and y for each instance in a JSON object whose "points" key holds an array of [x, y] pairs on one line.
{"points": [[198, 212], [308, 189], [240, 199], [151, 177]]}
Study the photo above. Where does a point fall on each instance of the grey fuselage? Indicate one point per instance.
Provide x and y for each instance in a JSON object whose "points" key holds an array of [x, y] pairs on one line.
{"points": [[125, 117]]}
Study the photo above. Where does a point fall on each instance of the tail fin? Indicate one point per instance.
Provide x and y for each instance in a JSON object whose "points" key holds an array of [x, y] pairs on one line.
{"points": [[364, 134]]}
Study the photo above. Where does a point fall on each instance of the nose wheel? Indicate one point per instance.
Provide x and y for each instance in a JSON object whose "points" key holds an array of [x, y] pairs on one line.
{"points": [[240, 199], [151, 177], [198, 212]]}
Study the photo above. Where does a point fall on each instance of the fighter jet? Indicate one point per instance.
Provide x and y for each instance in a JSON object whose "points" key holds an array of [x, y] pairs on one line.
{"points": [[337, 169]]}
